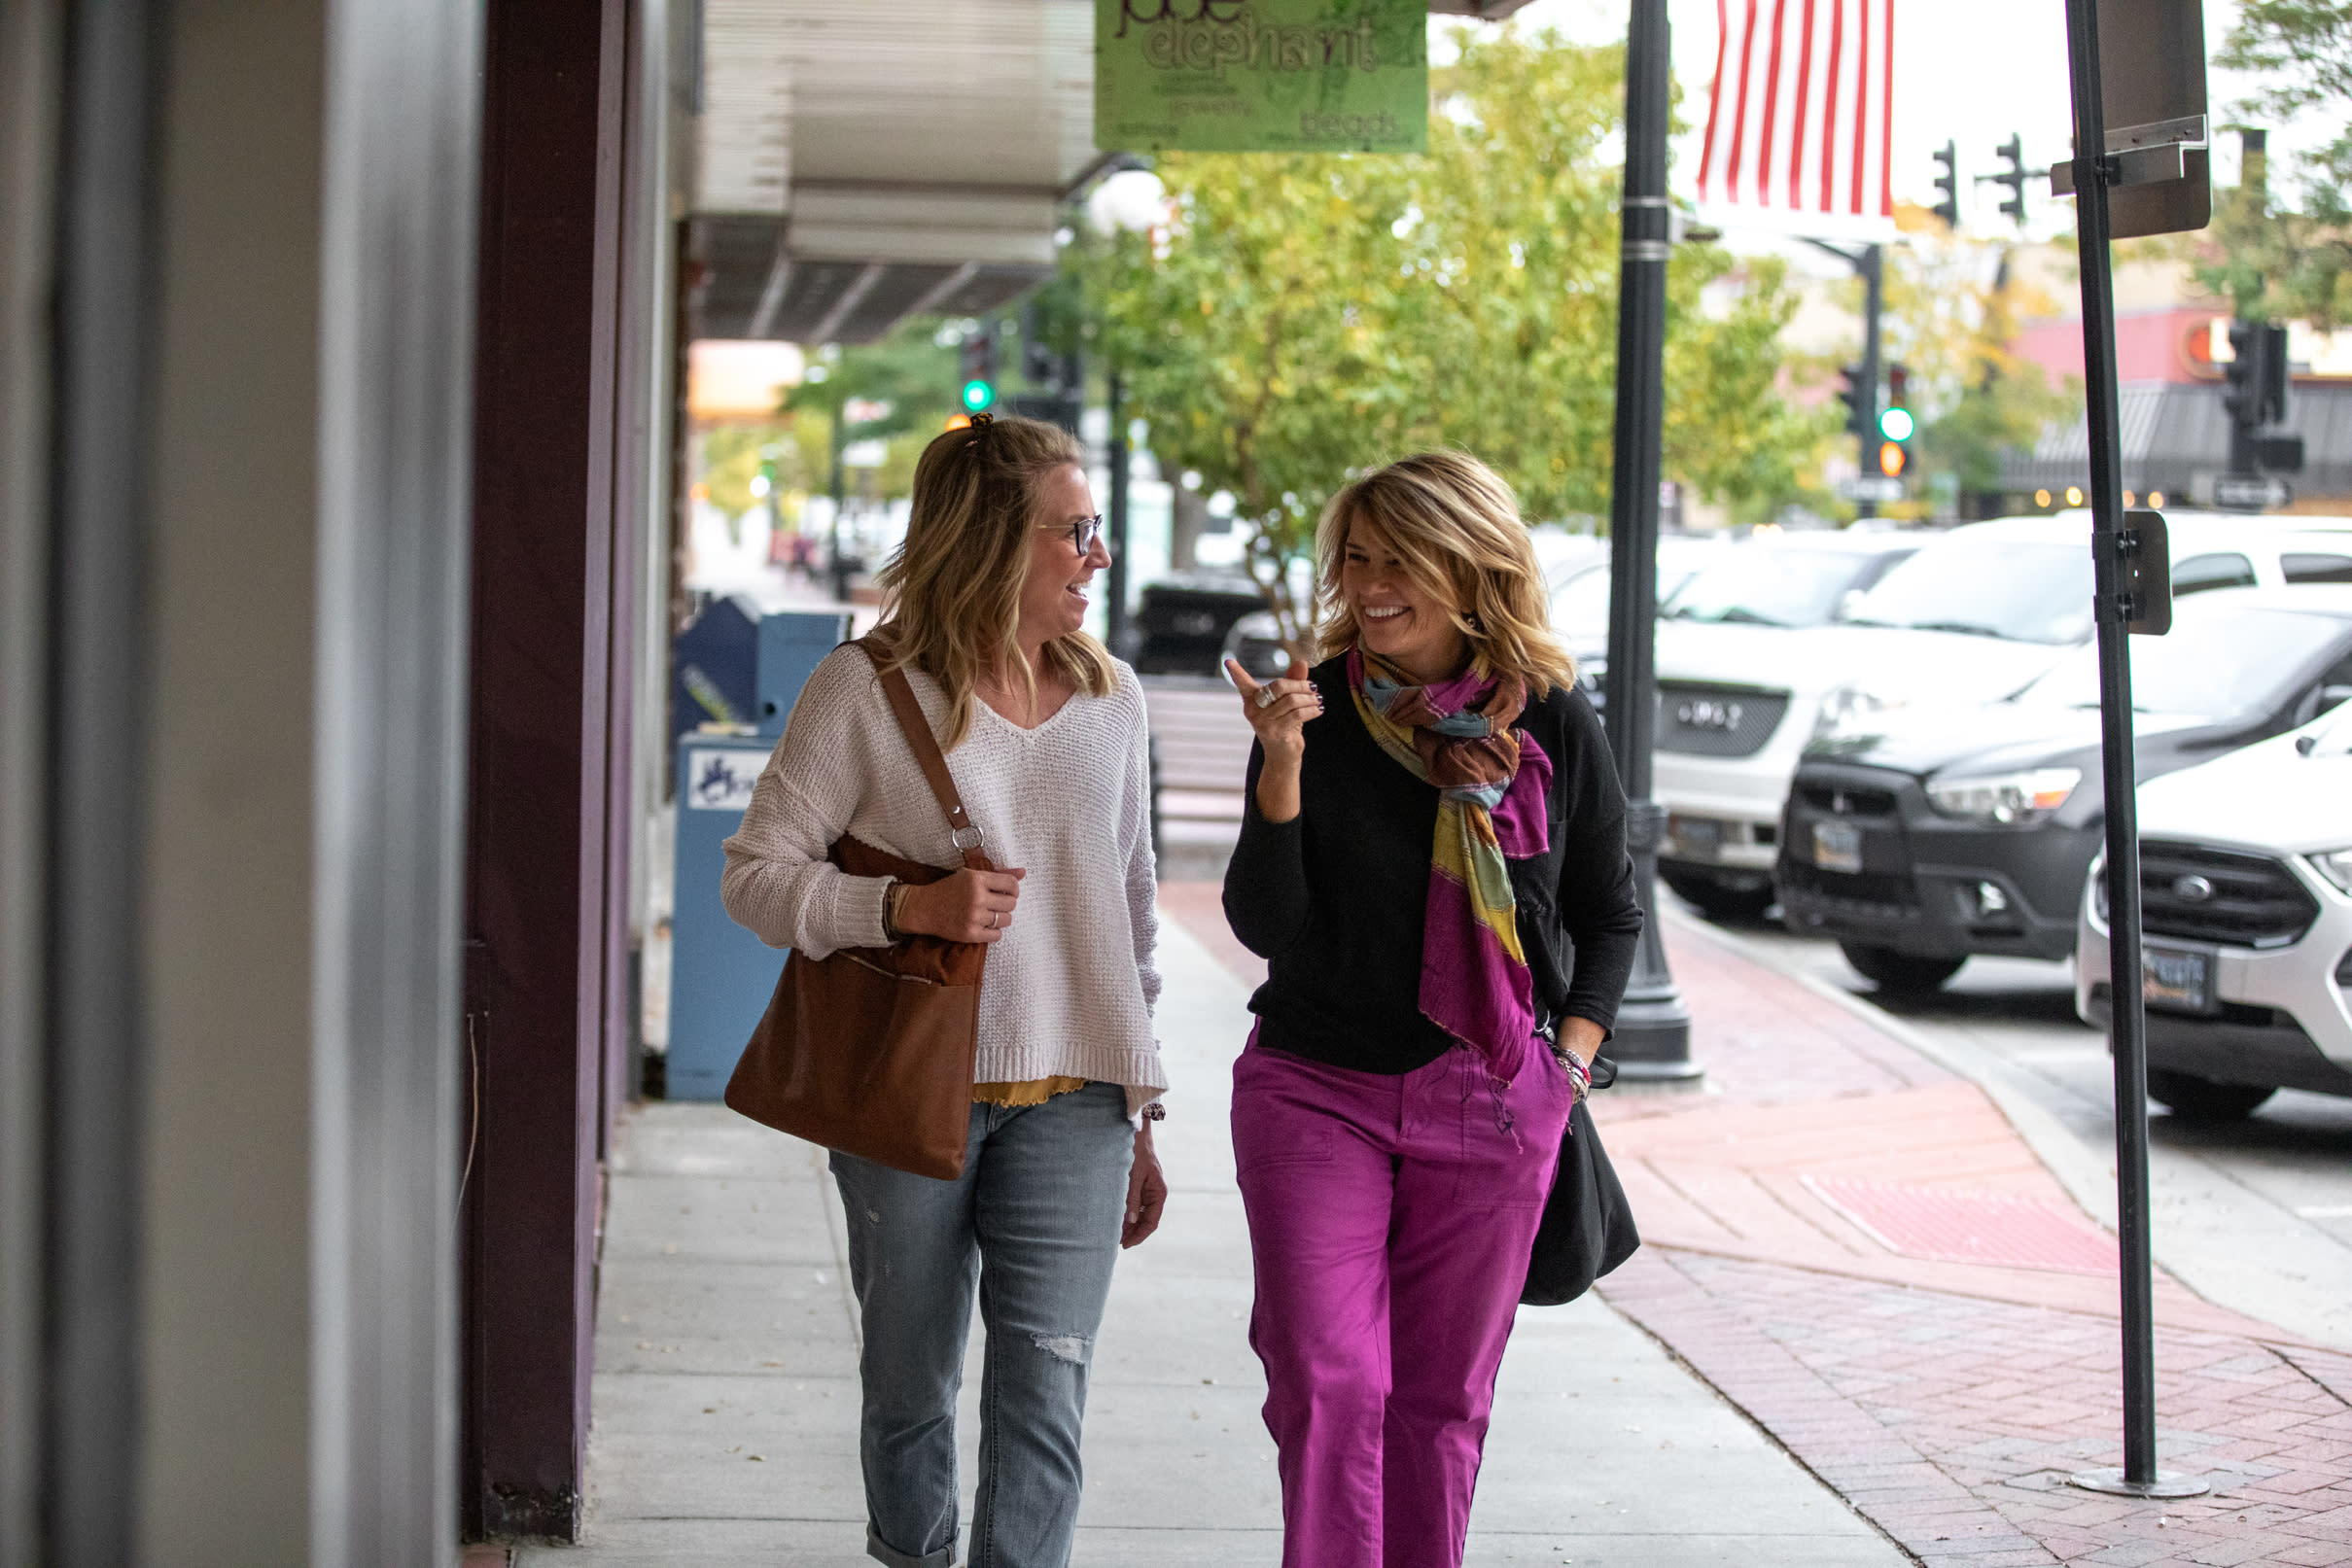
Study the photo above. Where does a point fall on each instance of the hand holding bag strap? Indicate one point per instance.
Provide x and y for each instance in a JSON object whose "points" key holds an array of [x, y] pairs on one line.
{"points": [[925, 745], [862, 1055]]}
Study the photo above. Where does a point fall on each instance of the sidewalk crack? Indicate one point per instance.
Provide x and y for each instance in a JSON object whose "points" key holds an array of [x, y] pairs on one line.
{"points": [[2312, 1377]]}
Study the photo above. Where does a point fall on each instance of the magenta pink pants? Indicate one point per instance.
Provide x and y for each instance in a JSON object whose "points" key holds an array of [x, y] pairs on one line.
{"points": [[1390, 1219]]}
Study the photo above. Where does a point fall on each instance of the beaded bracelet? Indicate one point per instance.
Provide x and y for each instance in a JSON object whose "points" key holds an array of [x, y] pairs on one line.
{"points": [[1580, 1076]]}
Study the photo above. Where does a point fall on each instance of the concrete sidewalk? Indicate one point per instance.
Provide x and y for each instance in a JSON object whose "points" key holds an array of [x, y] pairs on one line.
{"points": [[725, 1393]]}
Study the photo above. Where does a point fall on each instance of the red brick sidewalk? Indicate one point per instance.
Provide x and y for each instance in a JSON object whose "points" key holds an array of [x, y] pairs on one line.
{"points": [[1943, 1391]]}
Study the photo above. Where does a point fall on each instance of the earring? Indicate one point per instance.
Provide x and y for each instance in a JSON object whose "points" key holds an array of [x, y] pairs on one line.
{"points": [[1478, 628]]}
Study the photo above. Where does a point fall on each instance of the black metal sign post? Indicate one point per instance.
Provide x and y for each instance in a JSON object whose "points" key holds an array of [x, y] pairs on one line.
{"points": [[1652, 1025], [2120, 601]]}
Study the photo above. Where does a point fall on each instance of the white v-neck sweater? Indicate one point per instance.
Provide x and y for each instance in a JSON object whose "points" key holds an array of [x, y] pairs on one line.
{"points": [[1069, 987]]}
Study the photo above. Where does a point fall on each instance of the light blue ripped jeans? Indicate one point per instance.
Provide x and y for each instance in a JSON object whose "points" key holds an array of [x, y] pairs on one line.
{"points": [[1035, 1221]]}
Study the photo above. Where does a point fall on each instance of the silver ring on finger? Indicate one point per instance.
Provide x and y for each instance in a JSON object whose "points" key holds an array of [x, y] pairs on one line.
{"points": [[1265, 697]]}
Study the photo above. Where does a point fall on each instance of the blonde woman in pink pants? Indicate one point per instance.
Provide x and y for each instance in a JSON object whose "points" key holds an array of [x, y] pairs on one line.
{"points": [[1433, 826]]}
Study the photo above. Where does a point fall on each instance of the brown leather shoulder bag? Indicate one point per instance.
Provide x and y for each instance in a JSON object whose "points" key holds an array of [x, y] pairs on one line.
{"points": [[869, 1050]]}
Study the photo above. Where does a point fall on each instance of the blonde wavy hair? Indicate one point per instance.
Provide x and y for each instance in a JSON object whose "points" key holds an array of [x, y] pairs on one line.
{"points": [[951, 590], [1456, 526]]}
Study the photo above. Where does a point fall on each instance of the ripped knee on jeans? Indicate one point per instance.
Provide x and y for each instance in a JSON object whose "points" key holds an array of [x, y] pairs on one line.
{"points": [[1069, 1347]]}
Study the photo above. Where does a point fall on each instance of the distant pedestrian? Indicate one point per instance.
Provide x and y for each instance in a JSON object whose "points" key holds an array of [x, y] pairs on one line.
{"points": [[1044, 735], [1433, 823]]}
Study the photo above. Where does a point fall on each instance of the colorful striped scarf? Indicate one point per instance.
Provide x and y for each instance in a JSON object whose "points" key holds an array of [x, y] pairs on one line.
{"points": [[1492, 783]]}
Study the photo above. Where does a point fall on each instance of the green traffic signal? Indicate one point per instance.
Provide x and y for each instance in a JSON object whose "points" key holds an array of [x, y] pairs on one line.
{"points": [[1897, 425], [978, 396]]}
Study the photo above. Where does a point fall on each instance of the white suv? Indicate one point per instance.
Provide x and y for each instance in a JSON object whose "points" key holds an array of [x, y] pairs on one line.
{"points": [[1972, 616], [2246, 915]]}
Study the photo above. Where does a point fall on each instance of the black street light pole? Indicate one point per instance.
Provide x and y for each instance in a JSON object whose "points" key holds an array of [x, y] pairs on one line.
{"points": [[1121, 460], [1871, 262], [836, 486], [1870, 265], [1652, 1038]]}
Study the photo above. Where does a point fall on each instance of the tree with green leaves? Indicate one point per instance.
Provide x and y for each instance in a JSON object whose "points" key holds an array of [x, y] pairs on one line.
{"points": [[2280, 259], [910, 375], [734, 456], [1303, 317]]}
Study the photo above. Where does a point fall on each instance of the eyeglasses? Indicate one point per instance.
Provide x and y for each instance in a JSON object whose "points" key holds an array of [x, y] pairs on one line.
{"points": [[1083, 531]]}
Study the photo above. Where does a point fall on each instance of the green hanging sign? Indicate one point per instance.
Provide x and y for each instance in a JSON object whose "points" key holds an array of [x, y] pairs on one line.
{"points": [[1262, 75]]}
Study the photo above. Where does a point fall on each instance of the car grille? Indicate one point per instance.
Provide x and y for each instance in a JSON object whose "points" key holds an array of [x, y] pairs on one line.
{"points": [[1826, 798], [1704, 720], [2245, 900], [1870, 890]]}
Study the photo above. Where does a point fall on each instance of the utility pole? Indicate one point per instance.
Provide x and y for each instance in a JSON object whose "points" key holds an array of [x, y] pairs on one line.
{"points": [[1652, 1038]]}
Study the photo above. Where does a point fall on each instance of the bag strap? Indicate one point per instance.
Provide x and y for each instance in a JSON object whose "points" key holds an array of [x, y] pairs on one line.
{"points": [[925, 746]]}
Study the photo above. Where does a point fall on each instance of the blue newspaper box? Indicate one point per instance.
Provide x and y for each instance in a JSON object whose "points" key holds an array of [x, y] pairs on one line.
{"points": [[721, 975], [715, 669]]}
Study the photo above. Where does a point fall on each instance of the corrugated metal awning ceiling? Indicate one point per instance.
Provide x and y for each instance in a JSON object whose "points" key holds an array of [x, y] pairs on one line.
{"points": [[859, 162]]}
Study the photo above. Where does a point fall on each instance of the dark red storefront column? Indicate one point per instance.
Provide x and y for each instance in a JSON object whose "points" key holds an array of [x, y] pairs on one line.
{"points": [[543, 880]]}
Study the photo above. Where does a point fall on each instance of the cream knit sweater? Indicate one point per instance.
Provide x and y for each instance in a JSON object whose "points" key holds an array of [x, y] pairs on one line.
{"points": [[1069, 990]]}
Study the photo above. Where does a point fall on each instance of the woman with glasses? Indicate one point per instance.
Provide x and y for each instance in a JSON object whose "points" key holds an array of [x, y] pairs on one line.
{"points": [[1433, 824], [1045, 733]]}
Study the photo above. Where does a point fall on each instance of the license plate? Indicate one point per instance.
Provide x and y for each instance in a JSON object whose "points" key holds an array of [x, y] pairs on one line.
{"points": [[2177, 979], [1695, 838], [1837, 847]]}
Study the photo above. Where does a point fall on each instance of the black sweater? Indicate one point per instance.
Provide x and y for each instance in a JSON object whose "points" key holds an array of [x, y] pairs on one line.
{"points": [[1334, 899]]}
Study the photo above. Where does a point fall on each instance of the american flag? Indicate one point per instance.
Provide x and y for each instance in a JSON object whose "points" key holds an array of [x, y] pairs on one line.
{"points": [[1800, 127]]}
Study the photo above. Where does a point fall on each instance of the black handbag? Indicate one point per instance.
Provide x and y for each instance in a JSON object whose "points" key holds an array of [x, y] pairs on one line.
{"points": [[1588, 1228]]}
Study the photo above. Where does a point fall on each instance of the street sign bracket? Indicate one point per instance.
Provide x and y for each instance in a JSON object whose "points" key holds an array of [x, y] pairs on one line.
{"points": [[2136, 166], [2184, 130], [2143, 557]]}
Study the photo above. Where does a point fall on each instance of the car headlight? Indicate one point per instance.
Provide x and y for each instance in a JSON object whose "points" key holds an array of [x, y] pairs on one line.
{"points": [[2011, 799], [2337, 866], [1851, 705]]}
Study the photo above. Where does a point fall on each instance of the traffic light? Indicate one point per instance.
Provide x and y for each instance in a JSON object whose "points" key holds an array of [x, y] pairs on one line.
{"points": [[2012, 153], [1948, 182], [1040, 365], [1857, 402], [1895, 421], [2255, 382], [979, 368], [1896, 426]]}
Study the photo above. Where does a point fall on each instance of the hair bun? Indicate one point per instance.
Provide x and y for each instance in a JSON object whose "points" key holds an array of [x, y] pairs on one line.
{"points": [[983, 418]]}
